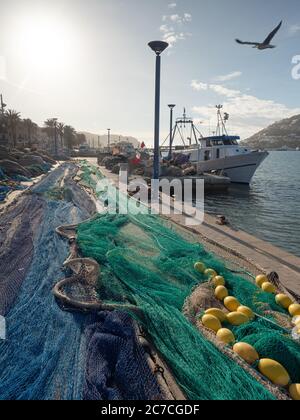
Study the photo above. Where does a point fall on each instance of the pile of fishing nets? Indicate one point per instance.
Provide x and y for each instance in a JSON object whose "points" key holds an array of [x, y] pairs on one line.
{"points": [[50, 353], [17, 167], [116, 365], [146, 263], [10, 184]]}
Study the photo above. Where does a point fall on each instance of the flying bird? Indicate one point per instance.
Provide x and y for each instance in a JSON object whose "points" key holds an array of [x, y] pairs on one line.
{"points": [[267, 42]]}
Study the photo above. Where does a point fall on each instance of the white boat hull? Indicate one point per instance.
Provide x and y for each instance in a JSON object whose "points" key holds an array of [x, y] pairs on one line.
{"points": [[239, 168]]}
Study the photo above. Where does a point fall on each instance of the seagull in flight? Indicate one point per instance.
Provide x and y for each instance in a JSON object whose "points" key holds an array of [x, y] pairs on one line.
{"points": [[267, 42]]}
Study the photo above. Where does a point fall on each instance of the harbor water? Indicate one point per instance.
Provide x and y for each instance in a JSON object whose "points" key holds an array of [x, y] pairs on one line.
{"points": [[270, 207]]}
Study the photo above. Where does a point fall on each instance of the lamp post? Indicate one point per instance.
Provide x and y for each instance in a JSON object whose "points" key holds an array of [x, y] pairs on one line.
{"points": [[108, 139], [158, 47], [55, 137], [171, 106]]}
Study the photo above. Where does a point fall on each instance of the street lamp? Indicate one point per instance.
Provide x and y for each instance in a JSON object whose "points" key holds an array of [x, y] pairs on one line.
{"points": [[158, 47], [55, 137], [108, 139], [171, 106]]}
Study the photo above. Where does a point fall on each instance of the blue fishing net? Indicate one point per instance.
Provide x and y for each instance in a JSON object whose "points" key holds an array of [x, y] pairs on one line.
{"points": [[47, 354], [116, 365]]}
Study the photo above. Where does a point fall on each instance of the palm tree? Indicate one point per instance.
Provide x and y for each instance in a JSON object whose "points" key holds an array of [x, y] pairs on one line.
{"points": [[70, 136], [50, 126], [13, 119], [31, 128], [61, 133]]}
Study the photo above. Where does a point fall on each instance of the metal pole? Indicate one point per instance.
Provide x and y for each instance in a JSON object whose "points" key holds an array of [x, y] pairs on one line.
{"points": [[171, 130], [55, 138], [108, 139], [156, 163]]}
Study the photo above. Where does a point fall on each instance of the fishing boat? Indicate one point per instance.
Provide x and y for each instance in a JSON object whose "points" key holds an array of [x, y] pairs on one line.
{"points": [[220, 153]]}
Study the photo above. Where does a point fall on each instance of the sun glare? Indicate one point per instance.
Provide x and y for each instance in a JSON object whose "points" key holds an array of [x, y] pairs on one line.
{"points": [[43, 43]]}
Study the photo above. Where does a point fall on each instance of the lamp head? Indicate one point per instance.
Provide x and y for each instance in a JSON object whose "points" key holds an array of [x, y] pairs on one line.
{"points": [[158, 46], [171, 106]]}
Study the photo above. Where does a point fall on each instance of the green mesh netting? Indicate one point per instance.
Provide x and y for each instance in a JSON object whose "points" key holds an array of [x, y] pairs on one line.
{"points": [[146, 263]]}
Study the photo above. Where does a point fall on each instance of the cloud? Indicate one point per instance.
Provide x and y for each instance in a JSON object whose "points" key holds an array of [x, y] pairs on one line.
{"points": [[187, 17], [228, 77], [175, 18], [248, 114], [173, 28], [172, 5], [219, 89]]}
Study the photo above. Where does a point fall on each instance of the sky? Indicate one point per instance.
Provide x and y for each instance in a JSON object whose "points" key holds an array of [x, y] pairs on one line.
{"points": [[87, 63]]}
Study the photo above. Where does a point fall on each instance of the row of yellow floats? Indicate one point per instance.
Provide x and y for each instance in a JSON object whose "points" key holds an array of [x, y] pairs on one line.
{"points": [[239, 315]]}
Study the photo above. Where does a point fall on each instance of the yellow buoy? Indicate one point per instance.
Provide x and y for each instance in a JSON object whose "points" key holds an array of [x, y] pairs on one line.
{"points": [[211, 322], [231, 303], [218, 281], [261, 279], [295, 392], [225, 336], [237, 318], [284, 301], [274, 371], [246, 352], [296, 321], [294, 309], [200, 267], [221, 292], [268, 287], [218, 313], [246, 311], [209, 272]]}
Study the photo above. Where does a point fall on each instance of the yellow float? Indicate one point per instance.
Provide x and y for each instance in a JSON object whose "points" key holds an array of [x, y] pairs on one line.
{"points": [[211, 322], [218, 281], [268, 287], [294, 309], [225, 336], [200, 267], [283, 301], [237, 319], [209, 272], [261, 279], [218, 313], [295, 392], [274, 371], [246, 352], [221, 292], [231, 303], [246, 311], [296, 321]]}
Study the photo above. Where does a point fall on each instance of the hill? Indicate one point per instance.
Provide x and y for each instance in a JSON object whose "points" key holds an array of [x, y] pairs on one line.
{"points": [[280, 134], [93, 139]]}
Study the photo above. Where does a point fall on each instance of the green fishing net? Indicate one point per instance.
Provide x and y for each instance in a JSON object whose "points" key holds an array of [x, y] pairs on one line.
{"points": [[145, 262]]}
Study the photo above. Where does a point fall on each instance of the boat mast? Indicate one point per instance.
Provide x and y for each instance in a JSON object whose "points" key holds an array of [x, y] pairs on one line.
{"points": [[182, 123], [221, 127]]}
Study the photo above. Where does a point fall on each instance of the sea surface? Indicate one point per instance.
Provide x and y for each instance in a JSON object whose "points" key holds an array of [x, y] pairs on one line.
{"points": [[270, 207]]}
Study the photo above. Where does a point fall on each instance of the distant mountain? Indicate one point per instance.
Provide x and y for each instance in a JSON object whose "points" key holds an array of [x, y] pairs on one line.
{"points": [[285, 133], [93, 139]]}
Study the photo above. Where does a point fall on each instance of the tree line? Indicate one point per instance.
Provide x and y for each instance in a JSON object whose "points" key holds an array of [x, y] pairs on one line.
{"points": [[59, 135]]}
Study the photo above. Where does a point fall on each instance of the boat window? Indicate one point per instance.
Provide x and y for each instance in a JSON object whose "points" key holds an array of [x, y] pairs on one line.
{"points": [[218, 142], [218, 154], [208, 143], [207, 155]]}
